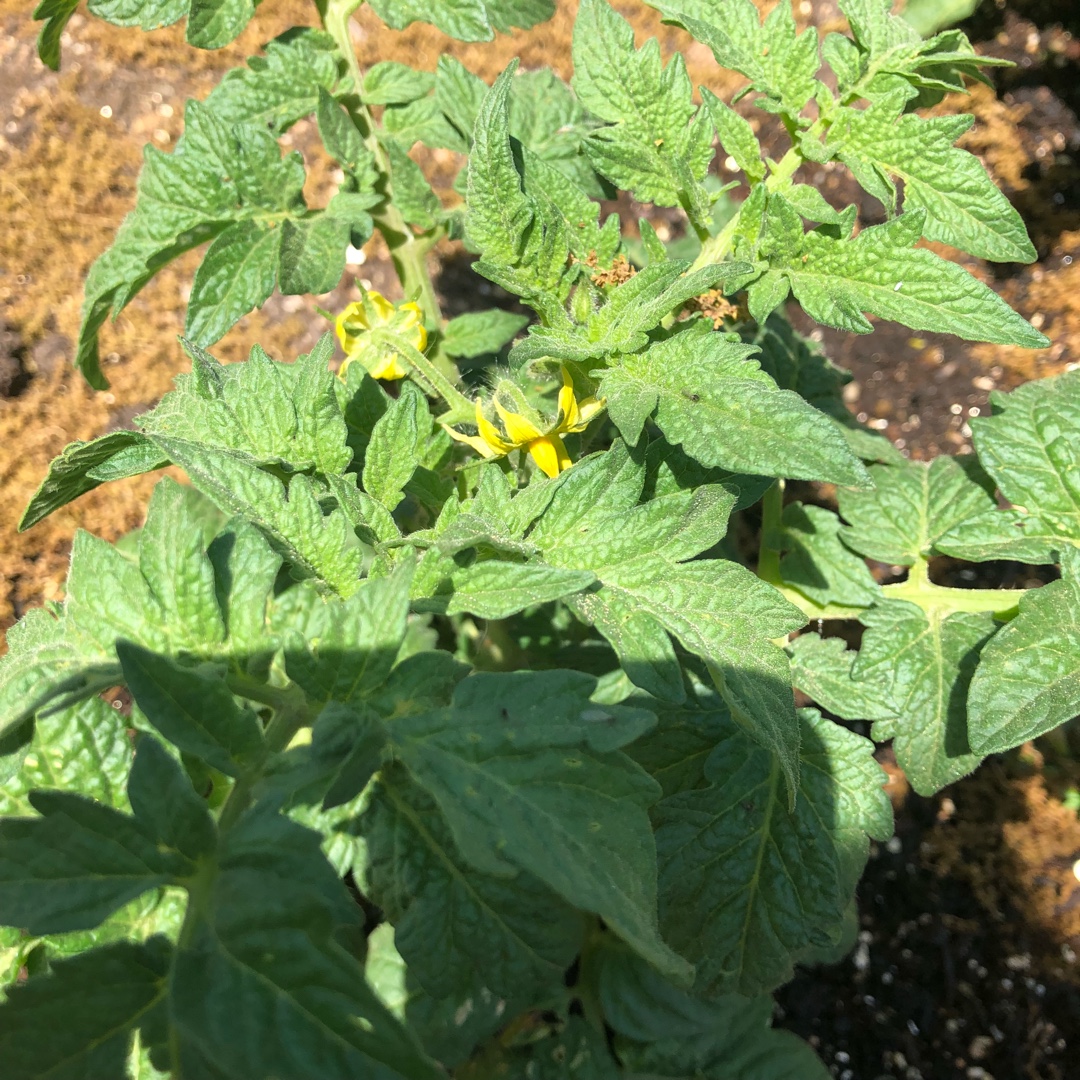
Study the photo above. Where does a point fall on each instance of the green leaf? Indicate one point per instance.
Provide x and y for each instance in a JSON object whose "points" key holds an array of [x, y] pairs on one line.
{"points": [[262, 989], [780, 62], [526, 772], [80, 861], [454, 925], [710, 398], [746, 884], [346, 649], [84, 465], [413, 196], [737, 137], [821, 669], [214, 23], [1028, 679], [930, 16], [396, 445], [900, 519], [926, 661], [466, 20], [880, 272], [317, 545], [85, 749], [282, 86], [193, 709], [964, 208], [716, 609], [524, 248], [658, 145], [1029, 448], [268, 412], [224, 182], [633, 309], [497, 590], [237, 274], [311, 254], [480, 332], [391, 83], [79, 1020], [56, 14], [817, 563]]}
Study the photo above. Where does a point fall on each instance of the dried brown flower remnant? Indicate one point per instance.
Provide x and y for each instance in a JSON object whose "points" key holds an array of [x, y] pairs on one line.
{"points": [[714, 305], [620, 271]]}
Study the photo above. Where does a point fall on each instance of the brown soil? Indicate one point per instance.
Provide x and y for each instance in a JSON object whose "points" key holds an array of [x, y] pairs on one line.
{"points": [[971, 926]]}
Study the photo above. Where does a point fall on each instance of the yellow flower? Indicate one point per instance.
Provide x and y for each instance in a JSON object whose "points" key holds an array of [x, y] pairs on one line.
{"points": [[375, 312], [523, 428]]}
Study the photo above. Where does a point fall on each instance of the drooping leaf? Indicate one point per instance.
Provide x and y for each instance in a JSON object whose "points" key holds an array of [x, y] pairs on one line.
{"points": [[821, 669], [80, 1019], [480, 332], [526, 772], [455, 925], [926, 659], [744, 882], [1028, 679]]}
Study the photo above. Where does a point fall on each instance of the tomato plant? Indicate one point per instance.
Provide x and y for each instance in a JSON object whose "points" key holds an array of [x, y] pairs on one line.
{"points": [[463, 736]]}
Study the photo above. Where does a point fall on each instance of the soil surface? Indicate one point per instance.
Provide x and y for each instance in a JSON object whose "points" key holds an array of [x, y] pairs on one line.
{"points": [[967, 960]]}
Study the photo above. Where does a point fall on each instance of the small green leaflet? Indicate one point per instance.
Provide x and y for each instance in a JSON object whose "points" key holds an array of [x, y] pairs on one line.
{"points": [[178, 596], [1028, 446], [527, 774], [837, 278], [821, 669], [632, 310], [744, 882], [780, 62], [1028, 682], [243, 1001], [211, 23], [926, 659], [889, 54], [708, 396], [480, 332], [911, 506], [391, 83], [817, 563], [658, 144], [227, 183], [466, 20], [282, 86], [79, 1020], [930, 16], [80, 861], [396, 445], [453, 924], [964, 208], [84, 465]]}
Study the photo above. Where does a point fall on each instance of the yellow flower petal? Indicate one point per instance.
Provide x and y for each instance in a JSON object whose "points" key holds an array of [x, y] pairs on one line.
{"points": [[550, 455], [588, 409], [490, 433], [474, 441], [519, 430], [347, 323], [383, 308], [388, 367], [568, 406]]}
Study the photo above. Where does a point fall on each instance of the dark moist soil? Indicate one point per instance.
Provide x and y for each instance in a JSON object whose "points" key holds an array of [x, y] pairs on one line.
{"points": [[967, 961]]}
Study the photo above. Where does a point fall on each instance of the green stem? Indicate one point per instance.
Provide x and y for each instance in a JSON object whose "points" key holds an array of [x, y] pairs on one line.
{"points": [[407, 250], [772, 512]]}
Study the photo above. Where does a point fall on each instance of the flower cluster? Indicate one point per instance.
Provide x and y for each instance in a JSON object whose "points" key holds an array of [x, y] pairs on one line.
{"points": [[374, 312]]}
